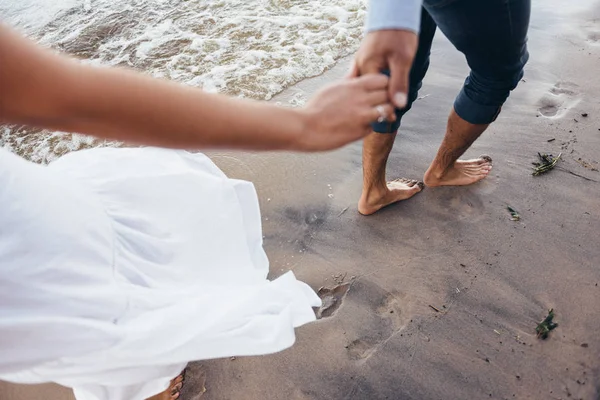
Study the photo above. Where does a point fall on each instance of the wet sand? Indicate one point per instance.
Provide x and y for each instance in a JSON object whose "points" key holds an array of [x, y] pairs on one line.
{"points": [[444, 290]]}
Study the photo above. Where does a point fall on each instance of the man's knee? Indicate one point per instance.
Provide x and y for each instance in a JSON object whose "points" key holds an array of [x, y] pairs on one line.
{"points": [[482, 97]]}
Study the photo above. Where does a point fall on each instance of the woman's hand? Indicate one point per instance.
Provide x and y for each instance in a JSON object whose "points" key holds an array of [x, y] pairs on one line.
{"points": [[342, 112]]}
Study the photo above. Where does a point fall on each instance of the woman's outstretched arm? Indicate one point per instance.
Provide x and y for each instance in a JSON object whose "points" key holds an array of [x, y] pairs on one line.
{"points": [[41, 88]]}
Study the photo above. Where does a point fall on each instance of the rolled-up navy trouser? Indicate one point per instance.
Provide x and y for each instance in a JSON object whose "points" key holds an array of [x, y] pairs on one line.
{"points": [[492, 34]]}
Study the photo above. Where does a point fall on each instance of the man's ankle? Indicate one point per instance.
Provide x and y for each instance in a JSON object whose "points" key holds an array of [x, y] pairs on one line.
{"points": [[373, 192], [435, 172]]}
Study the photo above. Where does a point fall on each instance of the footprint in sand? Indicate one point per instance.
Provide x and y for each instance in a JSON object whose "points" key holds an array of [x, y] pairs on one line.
{"points": [[303, 393], [591, 32], [332, 299], [594, 37], [301, 225], [361, 349], [461, 205], [558, 100], [393, 311]]}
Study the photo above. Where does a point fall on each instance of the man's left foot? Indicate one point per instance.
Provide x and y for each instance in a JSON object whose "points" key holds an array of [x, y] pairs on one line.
{"points": [[172, 392], [462, 173], [397, 190]]}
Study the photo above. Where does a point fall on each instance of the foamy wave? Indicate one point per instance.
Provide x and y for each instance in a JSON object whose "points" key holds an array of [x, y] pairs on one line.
{"points": [[44, 146]]}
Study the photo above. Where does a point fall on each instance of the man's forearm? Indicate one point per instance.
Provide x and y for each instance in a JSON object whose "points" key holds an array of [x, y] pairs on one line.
{"points": [[394, 14]]}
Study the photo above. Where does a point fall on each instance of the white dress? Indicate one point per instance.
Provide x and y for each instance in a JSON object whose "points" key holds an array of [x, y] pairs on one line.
{"points": [[118, 266]]}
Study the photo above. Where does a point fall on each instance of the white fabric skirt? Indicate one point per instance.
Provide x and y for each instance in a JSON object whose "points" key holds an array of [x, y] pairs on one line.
{"points": [[119, 266]]}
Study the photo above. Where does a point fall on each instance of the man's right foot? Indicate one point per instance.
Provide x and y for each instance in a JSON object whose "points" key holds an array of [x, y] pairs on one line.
{"points": [[397, 190], [462, 173]]}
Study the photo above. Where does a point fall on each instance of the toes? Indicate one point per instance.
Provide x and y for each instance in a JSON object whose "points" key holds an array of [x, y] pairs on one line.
{"points": [[410, 183], [176, 385], [416, 188], [175, 390], [481, 167], [486, 158], [477, 173], [402, 181]]}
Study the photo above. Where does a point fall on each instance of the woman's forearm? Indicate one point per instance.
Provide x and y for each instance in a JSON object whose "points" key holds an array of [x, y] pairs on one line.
{"points": [[127, 106], [63, 94]]}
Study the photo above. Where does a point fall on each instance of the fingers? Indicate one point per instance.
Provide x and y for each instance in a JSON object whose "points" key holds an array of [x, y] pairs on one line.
{"points": [[378, 100], [374, 98], [392, 50], [372, 81], [398, 84], [381, 113], [373, 66], [400, 64], [353, 72]]}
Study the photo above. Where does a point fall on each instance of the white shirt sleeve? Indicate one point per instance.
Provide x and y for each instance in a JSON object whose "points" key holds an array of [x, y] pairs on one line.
{"points": [[394, 14]]}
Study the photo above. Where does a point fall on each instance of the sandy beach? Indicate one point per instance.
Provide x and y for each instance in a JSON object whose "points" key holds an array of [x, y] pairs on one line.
{"points": [[438, 297]]}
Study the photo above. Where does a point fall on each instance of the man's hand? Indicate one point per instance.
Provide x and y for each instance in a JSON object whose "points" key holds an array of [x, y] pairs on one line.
{"points": [[388, 49]]}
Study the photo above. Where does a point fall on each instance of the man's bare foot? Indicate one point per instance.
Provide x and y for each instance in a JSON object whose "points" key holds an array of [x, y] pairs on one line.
{"points": [[396, 190], [463, 172], [172, 392]]}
